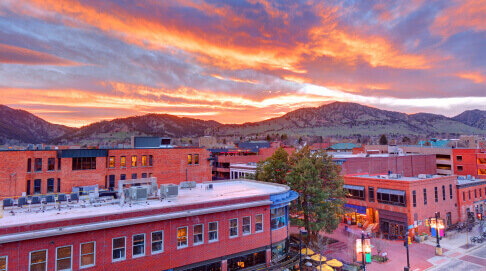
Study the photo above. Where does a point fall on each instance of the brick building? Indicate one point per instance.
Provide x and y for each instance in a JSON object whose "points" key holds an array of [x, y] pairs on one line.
{"points": [[469, 162], [471, 198], [225, 226], [396, 202], [53, 171]]}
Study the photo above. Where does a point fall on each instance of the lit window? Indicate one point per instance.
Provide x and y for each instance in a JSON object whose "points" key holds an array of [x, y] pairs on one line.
{"points": [[63, 258], [189, 159], [213, 231], [123, 161], [198, 234], [246, 227], [138, 245], [38, 260], [181, 237], [259, 223], [233, 227], [112, 161], [196, 159], [87, 254], [144, 160], [134, 161], [118, 249], [157, 242], [3, 263]]}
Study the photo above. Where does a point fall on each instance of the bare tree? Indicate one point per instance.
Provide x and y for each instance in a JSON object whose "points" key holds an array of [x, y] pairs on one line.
{"points": [[320, 244], [380, 245], [351, 243]]}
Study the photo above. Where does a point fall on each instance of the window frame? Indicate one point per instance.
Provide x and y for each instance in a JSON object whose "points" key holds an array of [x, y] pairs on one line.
{"points": [[150, 160], [371, 193], [414, 198], [134, 161], [194, 234], [144, 163], [229, 228], [6, 262], [40, 186], [436, 194], [425, 196], [81, 255], [277, 217], [450, 191], [51, 162], [189, 159], [48, 185], [196, 159], [124, 249], [71, 257], [459, 168], [243, 225], [187, 237], [152, 242], [111, 162], [35, 164], [210, 231], [459, 158], [123, 161], [29, 165], [258, 223], [47, 258], [443, 193], [133, 245]]}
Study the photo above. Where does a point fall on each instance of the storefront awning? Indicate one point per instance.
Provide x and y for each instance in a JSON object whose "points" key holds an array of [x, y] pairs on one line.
{"points": [[353, 187], [390, 191], [359, 209]]}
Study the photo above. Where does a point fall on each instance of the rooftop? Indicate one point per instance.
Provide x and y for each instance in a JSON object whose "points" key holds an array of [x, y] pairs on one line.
{"points": [[364, 155], [470, 182], [398, 177], [226, 190]]}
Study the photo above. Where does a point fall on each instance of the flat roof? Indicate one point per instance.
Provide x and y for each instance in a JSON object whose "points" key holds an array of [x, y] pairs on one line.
{"points": [[393, 177], [224, 190], [471, 182], [364, 155]]}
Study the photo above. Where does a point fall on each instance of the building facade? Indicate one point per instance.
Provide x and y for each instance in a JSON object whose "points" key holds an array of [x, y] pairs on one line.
{"points": [[54, 171], [471, 198], [225, 226]]}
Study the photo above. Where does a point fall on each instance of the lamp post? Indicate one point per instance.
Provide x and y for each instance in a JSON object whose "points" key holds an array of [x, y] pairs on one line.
{"points": [[437, 224], [406, 243], [301, 232], [363, 252], [363, 246]]}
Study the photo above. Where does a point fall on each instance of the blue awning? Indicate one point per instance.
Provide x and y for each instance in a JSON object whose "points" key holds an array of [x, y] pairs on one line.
{"points": [[359, 209]]}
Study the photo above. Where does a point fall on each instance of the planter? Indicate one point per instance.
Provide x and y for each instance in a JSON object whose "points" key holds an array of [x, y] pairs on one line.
{"points": [[426, 237], [417, 239], [422, 238]]}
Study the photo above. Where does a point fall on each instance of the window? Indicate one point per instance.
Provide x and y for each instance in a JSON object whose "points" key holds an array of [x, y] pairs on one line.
{"points": [[3, 263], [459, 157], [118, 249], [37, 186], [247, 261], [157, 242], [355, 192], [259, 223], [38, 260], [246, 227], [391, 196], [112, 162], [233, 227], [58, 185], [84, 163], [134, 161], [87, 254], [134, 176], [450, 191], [151, 160], [425, 196], [138, 246], [50, 185], [58, 163], [475, 194], [123, 161], [123, 177], [196, 159], [29, 165], [51, 164], [38, 164], [144, 160], [469, 194], [414, 198], [277, 218], [64, 258], [443, 192], [213, 231], [28, 187], [151, 175], [189, 159], [480, 193], [371, 193], [463, 196], [436, 194], [144, 175], [459, 168], [198, 234], [181, 237]]}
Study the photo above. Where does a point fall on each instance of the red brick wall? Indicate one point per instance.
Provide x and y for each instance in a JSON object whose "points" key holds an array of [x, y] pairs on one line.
{"points": [[169, 166], [464, 202], [410, 165], [468, 163], [18, 252]]}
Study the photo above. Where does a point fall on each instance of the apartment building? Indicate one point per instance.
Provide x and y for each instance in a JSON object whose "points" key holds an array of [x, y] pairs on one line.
{"points": [[213, 226]]}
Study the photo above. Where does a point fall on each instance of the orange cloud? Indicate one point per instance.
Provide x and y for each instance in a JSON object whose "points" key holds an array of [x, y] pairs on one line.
{"points": [[476, 77], [463, 15], [18, 55]]}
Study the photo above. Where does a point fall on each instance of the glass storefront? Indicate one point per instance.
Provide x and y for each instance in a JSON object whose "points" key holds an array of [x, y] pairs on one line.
{"points": [[208, 267], [246, 261], [279, 250]]}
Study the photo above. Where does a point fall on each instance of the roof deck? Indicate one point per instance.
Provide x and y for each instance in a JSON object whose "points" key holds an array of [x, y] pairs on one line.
{"points": [[226, 190]]}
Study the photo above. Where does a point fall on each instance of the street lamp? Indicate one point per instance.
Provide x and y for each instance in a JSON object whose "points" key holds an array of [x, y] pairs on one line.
{"points": [[406, 243], [301, 232], [363, 249], [437, 224]]}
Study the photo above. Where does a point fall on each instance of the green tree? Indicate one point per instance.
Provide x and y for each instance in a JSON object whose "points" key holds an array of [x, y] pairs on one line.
{"points": [[406, 140], [269, 138], [319, 183], [300, 140], [274, 168], [383, 140], [283, 137]]}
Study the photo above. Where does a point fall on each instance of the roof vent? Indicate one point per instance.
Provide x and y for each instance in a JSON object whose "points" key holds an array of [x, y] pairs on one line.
{"points": [[189, 184]]}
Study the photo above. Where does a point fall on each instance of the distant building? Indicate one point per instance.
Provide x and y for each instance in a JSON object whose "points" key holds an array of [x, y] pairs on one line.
{"points": [[342, 147], [242, 170], [208, 142], [218, 226]]}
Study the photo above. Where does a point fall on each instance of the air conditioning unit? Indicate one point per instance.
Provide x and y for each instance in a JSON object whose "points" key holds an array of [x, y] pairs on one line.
{"points": [[138, 193], [395, 176], [383, 176], [169, 191], [189, 184], [422, 176]]}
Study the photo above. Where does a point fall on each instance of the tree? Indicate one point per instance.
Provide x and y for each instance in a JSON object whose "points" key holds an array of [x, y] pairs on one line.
{"points": [[380, 245], [275, 168], [383, 140], [300, 140], [406, 140], [283, 137], [269, 138], [319, 183]]}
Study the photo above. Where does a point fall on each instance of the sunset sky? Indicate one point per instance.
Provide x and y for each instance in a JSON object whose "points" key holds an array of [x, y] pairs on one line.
{"points": [[76, 62]]}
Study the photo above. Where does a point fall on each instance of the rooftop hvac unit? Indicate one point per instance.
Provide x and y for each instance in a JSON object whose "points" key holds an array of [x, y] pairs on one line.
{"points": [[39, 146], [429, 176], [47, 148], [395, 176], [138, 193], [30, 146], [169, 191], [189, 184], [422, 176], [383, 176]]}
